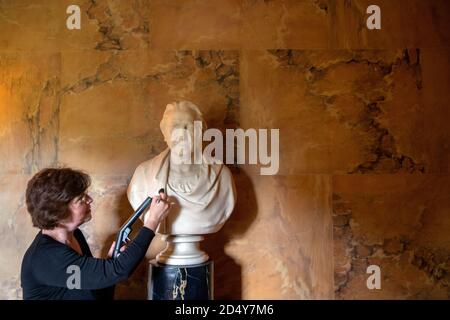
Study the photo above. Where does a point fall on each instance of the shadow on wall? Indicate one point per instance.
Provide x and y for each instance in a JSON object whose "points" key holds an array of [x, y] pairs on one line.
{"points": [[227, 272]]}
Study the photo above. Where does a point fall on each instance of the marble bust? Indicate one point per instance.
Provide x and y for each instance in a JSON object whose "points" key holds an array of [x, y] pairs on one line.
{"points": [[203, 193]]}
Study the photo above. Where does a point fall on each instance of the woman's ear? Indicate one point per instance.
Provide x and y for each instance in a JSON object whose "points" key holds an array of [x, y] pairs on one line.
{"points": [[70, 208]]}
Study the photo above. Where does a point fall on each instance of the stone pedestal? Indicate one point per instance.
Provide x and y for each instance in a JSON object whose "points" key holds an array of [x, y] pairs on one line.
{"points": [[181, 282], [182, 250]]}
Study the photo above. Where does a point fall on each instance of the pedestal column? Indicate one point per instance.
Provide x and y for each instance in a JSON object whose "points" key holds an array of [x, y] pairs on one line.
{"points": [[181, 282]]}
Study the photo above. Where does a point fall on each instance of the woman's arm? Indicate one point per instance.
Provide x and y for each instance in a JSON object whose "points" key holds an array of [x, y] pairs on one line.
{"points": [[56, 264]]}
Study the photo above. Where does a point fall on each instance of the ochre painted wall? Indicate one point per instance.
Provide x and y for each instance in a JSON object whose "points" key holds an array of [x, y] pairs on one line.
{"points": [[363, 118]]}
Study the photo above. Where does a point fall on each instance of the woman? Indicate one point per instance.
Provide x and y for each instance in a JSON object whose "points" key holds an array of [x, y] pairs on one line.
{"points": [[59, 264]]}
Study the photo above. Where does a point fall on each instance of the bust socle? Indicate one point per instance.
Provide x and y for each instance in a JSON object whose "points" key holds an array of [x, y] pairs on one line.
{"points": [[204, 194]]}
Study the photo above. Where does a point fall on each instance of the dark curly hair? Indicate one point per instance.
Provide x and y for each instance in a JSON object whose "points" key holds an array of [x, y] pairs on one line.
{"points": [[49, 193]]}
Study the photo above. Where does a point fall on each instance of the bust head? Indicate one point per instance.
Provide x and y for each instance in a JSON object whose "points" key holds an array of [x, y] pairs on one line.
{"points": [[177, 126]]}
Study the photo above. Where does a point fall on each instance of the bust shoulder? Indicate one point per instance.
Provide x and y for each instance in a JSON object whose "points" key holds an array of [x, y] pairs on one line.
{"points": [[155, 160]]}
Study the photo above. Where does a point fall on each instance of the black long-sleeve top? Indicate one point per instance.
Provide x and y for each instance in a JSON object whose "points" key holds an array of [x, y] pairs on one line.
{"points": [[46, 268]]}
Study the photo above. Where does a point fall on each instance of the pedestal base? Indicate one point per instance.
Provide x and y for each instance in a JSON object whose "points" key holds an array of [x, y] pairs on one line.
{"points": [[190, 282]]}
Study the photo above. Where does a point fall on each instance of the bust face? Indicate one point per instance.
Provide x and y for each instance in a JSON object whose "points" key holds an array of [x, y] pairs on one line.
{"points": [[178, 131]]}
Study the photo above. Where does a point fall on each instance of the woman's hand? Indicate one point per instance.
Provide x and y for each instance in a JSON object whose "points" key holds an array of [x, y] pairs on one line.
{"points": [[111, 250], [159, 209]]}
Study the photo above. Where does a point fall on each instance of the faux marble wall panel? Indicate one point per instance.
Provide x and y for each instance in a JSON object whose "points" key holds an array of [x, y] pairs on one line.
{"points": [[398, 222], [351, 111], [106, 25], [296, 24], [222, 24]]}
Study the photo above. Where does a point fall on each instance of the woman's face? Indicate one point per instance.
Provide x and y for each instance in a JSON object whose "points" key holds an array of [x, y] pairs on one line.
{"points": [[80, 208]]}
